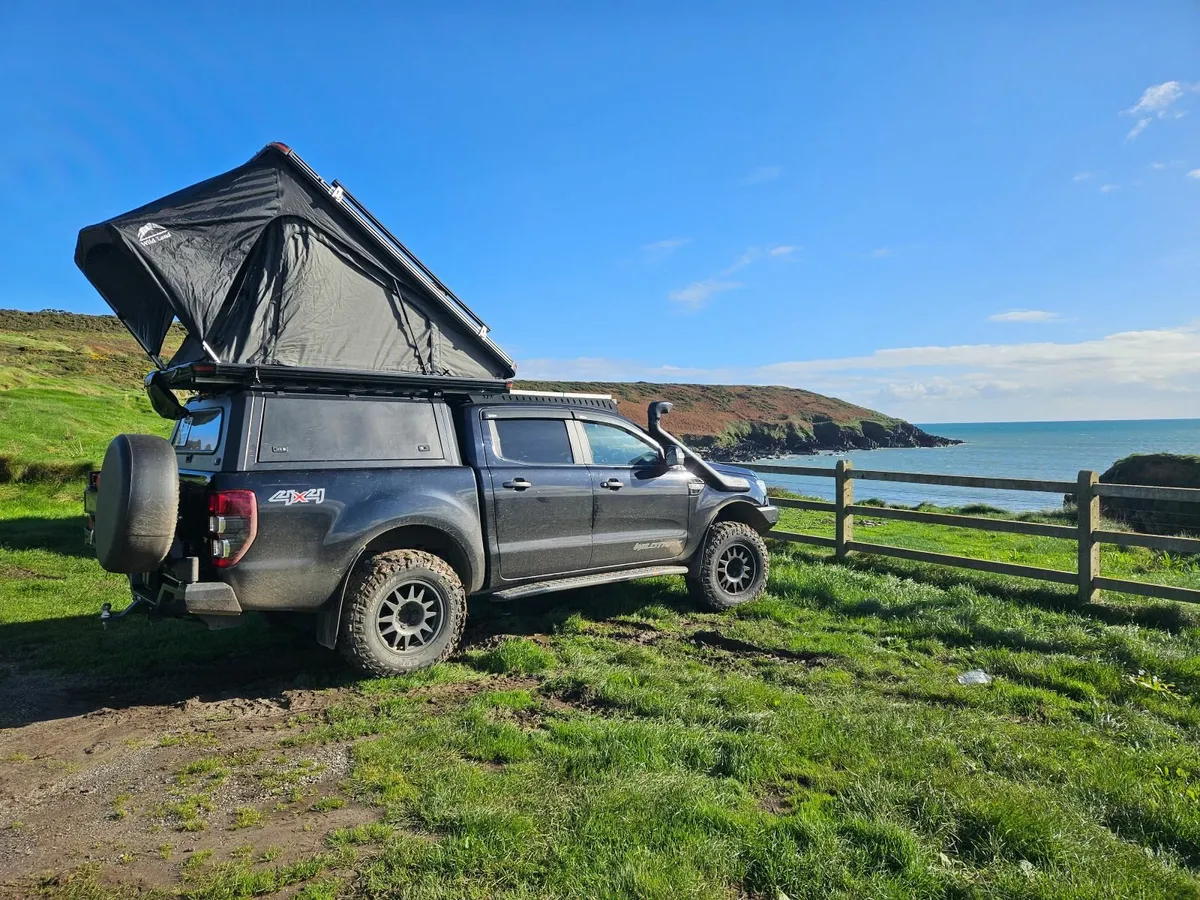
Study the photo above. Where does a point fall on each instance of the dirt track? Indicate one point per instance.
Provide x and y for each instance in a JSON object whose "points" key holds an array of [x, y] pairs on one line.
{"points": [[89, 777]]}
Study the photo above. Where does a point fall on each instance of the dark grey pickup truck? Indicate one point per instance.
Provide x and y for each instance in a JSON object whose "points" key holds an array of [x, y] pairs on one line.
{"points": [[352, 448], [380, 512]]}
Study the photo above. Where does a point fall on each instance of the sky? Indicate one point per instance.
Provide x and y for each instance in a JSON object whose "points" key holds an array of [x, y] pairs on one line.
{"points": [[949, 212]]}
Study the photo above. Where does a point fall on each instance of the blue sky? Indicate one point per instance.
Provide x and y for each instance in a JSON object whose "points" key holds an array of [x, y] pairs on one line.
{"points": [[946, 211]]}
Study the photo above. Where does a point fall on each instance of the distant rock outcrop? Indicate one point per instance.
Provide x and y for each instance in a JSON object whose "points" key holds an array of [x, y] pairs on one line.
{"points": [[1158, 470], [735, 423]]}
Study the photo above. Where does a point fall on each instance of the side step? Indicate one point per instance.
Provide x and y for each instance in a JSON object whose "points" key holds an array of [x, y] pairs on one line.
{"points": [[581, 581]]}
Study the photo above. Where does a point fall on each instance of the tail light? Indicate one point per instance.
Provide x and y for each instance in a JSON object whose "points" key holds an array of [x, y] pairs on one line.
{"points": [[232, 525]]}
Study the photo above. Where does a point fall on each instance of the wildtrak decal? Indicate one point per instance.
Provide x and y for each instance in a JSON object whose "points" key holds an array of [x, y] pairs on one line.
{"points": [[288, 497], [653, 545]]}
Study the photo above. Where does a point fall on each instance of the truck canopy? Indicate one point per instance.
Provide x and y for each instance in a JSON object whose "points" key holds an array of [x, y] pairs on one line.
{"points": [[269, 265]]}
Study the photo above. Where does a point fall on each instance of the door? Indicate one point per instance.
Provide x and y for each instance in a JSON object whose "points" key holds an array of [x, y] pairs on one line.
{"points": [[641, 506], [542, 496]]}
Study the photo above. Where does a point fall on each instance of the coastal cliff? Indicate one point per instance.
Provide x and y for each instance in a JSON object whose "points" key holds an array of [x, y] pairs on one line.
{"points": [[737, 423]]}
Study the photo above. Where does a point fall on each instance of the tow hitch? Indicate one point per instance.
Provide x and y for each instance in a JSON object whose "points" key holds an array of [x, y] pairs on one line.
{"points": [[107, 615]]}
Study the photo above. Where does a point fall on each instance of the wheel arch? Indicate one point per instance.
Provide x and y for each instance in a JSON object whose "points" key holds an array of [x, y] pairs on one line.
{"points": [[741, 511], [403, 536]]}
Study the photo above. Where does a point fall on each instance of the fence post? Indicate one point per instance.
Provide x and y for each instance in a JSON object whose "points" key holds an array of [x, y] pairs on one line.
{"points": [[1087, 504], [843, 498]]}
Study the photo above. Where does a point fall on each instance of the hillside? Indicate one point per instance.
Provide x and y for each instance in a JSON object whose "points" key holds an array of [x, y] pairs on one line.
{"points": [[69, 382], [752, 421]]}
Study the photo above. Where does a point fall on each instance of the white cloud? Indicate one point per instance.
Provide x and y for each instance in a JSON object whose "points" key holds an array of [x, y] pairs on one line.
{"points": [[881, 252], [1137, 129], [697, 294], [751, 254], [1134, 374], [1156, 98], [1195, 173], [1024, 315], [661, 249], [1155, 103], [1108, 188], [760, 175], [1082, 176]]}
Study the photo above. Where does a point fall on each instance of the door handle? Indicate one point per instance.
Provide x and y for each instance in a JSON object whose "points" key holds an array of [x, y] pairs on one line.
{"points": [[517, 484], [613, 484]]}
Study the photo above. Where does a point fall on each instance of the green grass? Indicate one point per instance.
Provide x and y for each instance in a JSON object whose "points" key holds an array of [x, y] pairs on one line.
{"points": [[618, 742], [67, 385], [1135, 563]]}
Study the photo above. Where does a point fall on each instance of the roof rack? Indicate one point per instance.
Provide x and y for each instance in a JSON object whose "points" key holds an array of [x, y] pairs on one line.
{"points": [[568, 394], [596, 401], [380, 233], [207, 376]]}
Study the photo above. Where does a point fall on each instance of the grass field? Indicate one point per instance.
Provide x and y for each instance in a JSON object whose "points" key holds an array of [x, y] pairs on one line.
{"points": [[618, 742], [603, 743]]}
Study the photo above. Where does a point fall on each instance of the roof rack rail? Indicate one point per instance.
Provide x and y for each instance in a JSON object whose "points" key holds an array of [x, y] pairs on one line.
{"points": [[569, 394], [595, 401], [380, 233], [204, 376]]}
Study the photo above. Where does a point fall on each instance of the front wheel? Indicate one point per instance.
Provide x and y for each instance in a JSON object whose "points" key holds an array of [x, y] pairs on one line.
{"points": [[405, 610], [731, 567]]}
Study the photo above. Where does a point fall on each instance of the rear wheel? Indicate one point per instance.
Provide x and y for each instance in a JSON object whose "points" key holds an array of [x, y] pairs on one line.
{"points": [[404, 610], [731, 568]]}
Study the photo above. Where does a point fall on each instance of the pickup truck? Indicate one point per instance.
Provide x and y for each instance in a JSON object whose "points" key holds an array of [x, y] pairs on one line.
{"points": [[378, 505]]}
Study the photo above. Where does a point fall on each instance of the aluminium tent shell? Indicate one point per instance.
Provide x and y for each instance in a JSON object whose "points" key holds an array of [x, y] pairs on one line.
{"points": [[267, 264]]}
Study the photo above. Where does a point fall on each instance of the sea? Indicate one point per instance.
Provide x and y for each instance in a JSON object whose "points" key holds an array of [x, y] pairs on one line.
{"points": [[1042, 450]]}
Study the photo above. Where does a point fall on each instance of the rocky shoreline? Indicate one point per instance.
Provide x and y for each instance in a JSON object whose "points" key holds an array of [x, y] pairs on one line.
{"points": [[768, 442]]}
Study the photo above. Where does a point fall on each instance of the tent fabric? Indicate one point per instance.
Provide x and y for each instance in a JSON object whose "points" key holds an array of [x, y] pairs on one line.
{"points": [[261, 265]]}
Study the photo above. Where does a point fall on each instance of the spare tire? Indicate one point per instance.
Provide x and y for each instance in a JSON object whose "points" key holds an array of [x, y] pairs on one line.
{"points": [[137, 503]]}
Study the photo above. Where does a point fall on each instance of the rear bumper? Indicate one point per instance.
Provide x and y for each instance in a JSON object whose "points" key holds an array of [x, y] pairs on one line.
{"points": [[198, 598]]}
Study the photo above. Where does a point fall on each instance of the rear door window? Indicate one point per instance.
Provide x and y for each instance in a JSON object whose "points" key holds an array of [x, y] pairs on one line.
{"points": [[200, 432], [534, 441]]}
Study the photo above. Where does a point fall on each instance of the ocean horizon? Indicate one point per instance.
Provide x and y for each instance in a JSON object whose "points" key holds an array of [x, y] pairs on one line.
{"points": [[1041, 450]]}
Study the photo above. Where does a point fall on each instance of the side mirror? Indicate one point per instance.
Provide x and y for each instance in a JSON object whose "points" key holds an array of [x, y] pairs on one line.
{"points": [[673, 457]]}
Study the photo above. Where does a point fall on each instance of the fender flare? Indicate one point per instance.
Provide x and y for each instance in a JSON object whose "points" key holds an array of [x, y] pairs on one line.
{"points": [[741, 510], [329, 617]]}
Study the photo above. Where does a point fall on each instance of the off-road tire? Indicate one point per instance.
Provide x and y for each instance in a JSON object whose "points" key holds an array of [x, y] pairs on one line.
{"points": [[709, 586], [137, 504], [374, 581]]}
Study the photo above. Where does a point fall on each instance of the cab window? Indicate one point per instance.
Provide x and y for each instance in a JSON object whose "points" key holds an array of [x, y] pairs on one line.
{"points": [[537, 441], [612, 446]]}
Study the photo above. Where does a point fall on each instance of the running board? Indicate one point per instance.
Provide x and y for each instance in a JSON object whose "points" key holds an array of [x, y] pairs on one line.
{"points": [[582, 581]]}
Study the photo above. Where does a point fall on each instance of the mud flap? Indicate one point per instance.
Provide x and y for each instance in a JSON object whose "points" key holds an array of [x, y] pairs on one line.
{"points": [[329, 619]]}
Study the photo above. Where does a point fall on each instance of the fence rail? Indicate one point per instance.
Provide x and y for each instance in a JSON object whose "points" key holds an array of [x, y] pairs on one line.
{"points": [[1086, 532]]}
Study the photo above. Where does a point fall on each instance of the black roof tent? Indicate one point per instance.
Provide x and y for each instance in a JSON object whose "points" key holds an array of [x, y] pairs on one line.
{"points": [[268, 265]]}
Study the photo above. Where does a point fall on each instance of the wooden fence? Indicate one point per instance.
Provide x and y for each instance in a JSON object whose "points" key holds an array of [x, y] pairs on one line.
{"points": [[1086, 532]]}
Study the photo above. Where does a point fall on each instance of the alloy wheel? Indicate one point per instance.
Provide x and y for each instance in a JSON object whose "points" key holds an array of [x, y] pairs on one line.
{"points": [[410, 617], [736, 569]]}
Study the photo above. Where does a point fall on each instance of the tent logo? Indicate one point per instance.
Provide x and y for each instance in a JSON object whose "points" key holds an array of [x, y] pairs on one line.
{"points": [[151, 234]]}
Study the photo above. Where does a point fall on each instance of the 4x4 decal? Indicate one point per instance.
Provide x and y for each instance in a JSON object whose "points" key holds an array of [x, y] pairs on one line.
{"points": [[288, 497]]}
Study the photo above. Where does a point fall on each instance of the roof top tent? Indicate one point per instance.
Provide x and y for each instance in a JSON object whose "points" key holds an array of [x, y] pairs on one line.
{"points": [[269, 267]]}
